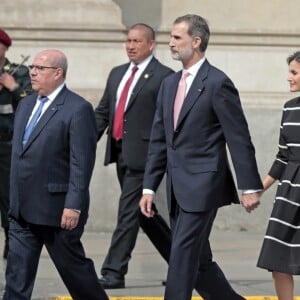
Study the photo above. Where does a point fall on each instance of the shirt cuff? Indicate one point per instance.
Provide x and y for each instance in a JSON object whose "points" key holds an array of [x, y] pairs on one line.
{"points": [[148, 191], [250, 191]]}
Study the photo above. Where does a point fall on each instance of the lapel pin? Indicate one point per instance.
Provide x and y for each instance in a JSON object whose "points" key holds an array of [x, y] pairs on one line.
{"points": [[146, 76], [199, 90]]}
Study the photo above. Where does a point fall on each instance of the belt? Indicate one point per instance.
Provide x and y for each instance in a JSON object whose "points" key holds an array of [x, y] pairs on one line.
{"points": [[6, 109], [6, 136]]}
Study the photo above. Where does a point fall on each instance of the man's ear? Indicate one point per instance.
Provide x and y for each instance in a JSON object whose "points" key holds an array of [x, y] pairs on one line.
{"points": [[197, 42]]}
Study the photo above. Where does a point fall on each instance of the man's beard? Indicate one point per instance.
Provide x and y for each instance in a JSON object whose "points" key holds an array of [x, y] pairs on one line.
{"points": [[182, 56]]}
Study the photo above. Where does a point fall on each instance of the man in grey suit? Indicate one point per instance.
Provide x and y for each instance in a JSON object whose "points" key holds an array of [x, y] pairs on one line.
{"points": [[192, 126], [128, 134], [53, 156]]}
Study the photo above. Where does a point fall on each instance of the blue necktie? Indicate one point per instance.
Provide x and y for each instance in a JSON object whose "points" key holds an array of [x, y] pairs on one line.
{"points": [[34, 120]]}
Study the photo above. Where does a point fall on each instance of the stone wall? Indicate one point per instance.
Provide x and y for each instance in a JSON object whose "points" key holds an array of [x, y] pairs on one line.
{"points": [[250, 41]]}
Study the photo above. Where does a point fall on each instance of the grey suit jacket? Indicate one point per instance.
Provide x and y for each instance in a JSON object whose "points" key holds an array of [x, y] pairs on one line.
{"points": [[53, 170], [195, 152]]}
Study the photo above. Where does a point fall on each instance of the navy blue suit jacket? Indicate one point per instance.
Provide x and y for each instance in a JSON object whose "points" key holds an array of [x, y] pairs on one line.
{"points": [[195, 152], [53, 170]]}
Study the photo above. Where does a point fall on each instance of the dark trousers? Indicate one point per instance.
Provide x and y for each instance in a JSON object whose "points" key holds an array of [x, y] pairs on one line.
{"points": [[191, 265], [5, 158], [128, 223], [65, 250]]}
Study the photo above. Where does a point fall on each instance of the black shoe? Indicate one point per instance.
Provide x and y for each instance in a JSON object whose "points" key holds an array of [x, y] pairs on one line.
{"points": [[112, 282]]}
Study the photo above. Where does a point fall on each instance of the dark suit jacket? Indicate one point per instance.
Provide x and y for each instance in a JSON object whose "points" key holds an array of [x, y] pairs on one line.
{"points": [[138, 116], [53, 170], [195, 153]]}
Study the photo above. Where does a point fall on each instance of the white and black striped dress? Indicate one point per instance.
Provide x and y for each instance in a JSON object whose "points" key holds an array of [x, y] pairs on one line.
{"points": [[281, 246]]}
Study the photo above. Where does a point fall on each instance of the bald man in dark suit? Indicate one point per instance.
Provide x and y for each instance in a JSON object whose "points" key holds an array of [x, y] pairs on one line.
{"points": [[53, 157]]}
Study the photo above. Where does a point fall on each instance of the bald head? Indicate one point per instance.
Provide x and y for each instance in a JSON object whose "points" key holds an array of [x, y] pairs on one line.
{"points": [[56, 58], [48, 71]]}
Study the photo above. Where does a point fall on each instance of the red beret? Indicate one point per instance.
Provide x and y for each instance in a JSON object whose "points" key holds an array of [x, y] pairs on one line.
{"points": [[4, 38]]}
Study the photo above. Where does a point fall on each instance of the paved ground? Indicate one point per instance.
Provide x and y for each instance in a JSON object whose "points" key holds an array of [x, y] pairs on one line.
{"points": [[236, 252]]}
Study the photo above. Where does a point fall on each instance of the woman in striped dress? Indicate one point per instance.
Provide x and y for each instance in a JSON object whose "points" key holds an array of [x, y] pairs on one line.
{"points": [[280, 251]]}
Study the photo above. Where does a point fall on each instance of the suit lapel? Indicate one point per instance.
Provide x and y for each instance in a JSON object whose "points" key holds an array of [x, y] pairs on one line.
{"points": [[117, 78], [145, 76], [194, 92], [171, 94], [46, 117], [23, 119]]}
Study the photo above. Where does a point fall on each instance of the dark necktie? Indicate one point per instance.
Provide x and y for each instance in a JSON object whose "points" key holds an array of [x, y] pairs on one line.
{"points": [[30, 126], [119, 114]]}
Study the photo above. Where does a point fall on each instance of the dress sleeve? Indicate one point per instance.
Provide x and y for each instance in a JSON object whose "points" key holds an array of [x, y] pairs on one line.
{"points": [[281, 159]]}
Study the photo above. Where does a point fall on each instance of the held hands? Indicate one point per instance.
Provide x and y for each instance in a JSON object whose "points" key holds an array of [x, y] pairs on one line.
{"points": [[69, 219], [146, 205], [250, 201]]}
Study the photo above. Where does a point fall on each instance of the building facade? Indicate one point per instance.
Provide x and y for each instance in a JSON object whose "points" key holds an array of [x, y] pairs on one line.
{"points": [[250, 41]]}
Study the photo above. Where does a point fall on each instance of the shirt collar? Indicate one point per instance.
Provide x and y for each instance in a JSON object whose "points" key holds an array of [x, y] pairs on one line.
{"points": [[142, 65], [53, 95], [193, 70]]}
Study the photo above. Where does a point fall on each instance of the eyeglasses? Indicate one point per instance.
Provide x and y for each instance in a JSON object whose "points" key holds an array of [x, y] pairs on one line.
{"points": [[41, 68]]}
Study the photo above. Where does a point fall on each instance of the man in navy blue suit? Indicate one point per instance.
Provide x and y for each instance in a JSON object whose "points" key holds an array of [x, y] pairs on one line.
{"points": [[53, 157], [189, 141]]}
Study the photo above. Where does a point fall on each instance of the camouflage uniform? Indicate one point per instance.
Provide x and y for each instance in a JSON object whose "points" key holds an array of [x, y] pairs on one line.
{"points": [[8, 104]]}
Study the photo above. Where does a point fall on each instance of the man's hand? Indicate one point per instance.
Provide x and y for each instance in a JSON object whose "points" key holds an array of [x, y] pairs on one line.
{"points": [[69, 219], [250, 201], [8, 81], [146, 205]]}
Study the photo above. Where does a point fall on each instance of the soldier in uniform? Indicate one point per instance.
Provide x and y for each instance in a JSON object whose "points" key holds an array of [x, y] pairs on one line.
{"points": [[14, 85]]}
